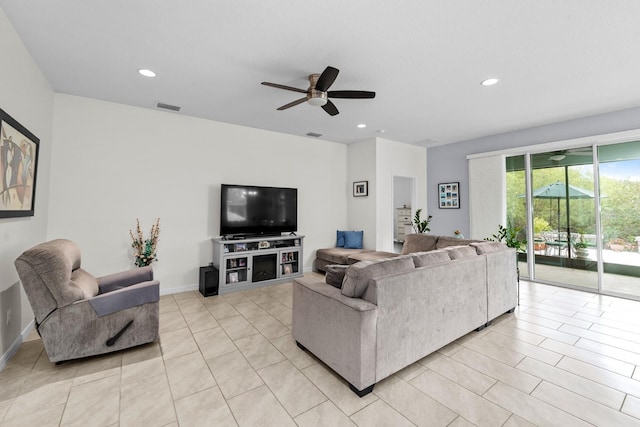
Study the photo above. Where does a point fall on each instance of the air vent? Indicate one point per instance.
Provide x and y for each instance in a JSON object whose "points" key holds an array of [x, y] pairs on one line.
{"points": [[315, 135], [167, 106]]}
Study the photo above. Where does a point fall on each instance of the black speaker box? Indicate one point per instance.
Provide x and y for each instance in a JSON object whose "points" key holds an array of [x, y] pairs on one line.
{"points": [[209, 280]]}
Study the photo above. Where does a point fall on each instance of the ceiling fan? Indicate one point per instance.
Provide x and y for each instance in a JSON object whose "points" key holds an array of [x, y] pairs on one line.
{"points": [[318, 93], [562, 154]]}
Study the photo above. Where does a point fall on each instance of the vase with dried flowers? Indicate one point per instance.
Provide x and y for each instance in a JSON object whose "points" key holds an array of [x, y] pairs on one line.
{"points": [[145, 249]]}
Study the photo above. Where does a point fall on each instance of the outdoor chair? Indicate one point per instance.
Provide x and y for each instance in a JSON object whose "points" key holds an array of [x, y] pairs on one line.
{"points": [[78, 315]]}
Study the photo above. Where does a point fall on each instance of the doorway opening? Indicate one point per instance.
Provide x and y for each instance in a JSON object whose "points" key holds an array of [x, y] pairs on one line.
{"points": [[404, 199]]}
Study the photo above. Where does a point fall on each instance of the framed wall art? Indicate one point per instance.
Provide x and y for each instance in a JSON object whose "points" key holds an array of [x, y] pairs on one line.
{"points": [[360, 188], [449, 195], [18, 168]]}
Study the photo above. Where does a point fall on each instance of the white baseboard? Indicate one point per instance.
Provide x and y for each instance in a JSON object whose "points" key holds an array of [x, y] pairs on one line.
{"points": [[15, 346], [186, 288]]}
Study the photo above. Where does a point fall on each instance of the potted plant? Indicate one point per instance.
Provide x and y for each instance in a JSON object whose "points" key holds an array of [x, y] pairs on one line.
{"points": [[581, 247], [145, 249], [419, 225], [509, 236]]}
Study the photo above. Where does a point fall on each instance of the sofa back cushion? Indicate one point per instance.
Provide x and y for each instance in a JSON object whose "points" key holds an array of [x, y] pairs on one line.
{"points": [[418, 243], [85, 282], [446, 241], [460, 252], [488, 247], [358, 275], [424, 259]]}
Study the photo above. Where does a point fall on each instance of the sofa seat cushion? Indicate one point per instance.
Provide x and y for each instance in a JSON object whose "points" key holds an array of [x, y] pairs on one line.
{"points": [[358, 275], [338, 255], [424, 259], [418, 243], [369, 256]]}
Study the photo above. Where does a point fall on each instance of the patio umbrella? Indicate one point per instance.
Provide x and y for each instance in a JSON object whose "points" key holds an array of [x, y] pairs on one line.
{"points": [[558, 190]]}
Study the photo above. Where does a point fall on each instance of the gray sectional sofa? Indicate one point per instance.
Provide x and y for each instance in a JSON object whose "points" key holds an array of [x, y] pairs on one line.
{"points": [[387, 314], [343, 256]]}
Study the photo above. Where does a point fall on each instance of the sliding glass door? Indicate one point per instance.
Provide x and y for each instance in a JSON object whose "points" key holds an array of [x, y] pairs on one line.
{"points": [[568, 249], [619, 171]]}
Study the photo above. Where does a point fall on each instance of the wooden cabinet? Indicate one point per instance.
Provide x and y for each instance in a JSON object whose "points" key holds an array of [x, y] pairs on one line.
{"points": [[403, 219], [252, 263]]}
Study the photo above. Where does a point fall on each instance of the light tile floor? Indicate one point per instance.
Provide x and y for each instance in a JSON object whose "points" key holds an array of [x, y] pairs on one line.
{"points": [[563, 358]]}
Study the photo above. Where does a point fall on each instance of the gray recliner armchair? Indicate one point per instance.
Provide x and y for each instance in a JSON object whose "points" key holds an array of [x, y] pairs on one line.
{"points": [[78, 315]]}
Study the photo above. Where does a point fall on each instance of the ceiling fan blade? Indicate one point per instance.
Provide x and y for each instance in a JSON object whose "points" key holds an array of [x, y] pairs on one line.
{"points": [[330, 108], [326, 79], [352, 94], [293, 104], [276, 85]]}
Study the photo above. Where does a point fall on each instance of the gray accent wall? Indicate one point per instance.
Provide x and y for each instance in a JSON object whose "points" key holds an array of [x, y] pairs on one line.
{"points": [[448, 162]]}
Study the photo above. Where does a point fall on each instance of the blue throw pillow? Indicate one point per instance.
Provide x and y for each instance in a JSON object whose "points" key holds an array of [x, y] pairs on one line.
{"points": [[340, 240], [353, 240]]}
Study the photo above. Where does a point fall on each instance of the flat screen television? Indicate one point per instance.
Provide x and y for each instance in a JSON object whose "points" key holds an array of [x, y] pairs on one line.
{"points": [[247, 210]]}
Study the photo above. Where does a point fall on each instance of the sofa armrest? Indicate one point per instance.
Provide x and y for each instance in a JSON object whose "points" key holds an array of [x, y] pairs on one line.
{"points": [[123, 298], [339, 330], [334, 293], [125, 278]]}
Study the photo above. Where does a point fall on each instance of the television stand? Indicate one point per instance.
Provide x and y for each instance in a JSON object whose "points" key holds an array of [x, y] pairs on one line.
{"points": [[250, 263]]}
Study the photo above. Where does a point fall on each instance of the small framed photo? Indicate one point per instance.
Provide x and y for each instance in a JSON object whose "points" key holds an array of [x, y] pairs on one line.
{"points": [[449, 195], [286, 269], [360, 188], [233, 277]]}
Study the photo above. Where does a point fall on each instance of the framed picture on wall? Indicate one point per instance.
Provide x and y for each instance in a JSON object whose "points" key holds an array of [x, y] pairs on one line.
{"points": [[18, 168], [360, 188], [449, 195]]}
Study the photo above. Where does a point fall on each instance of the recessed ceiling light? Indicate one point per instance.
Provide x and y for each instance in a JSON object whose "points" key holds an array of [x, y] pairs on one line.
{"points": [[489, 82], [362, 125], [146, 73]]}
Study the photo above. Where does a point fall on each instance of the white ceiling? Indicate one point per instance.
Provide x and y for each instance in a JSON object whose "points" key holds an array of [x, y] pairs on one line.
{"points": [[557, 60]]}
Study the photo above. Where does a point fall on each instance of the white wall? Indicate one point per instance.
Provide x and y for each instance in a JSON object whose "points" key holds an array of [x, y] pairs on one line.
{"points": [[397, 159], [28, 98], [362, 210], [378, 161], [114, 163]]}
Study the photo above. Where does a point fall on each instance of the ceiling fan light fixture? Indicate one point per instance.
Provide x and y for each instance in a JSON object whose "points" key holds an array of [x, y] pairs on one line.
{"points": [[489, 82], [557, 157], [317, 102], [147, 73]]}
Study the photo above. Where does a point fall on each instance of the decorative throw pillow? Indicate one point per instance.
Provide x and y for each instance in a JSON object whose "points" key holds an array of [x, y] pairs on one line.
{"points": [[335, 275], [340, 239], [353, 239]]}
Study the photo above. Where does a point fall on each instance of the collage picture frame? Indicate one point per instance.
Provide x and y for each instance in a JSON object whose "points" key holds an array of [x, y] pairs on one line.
{"points": [[449, 195]]}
